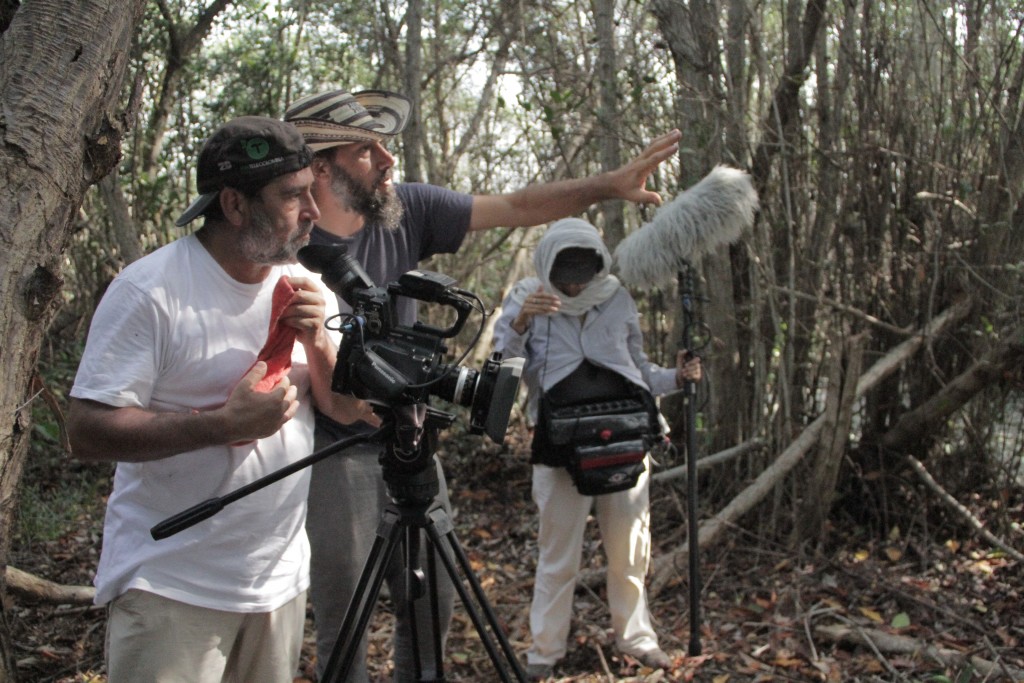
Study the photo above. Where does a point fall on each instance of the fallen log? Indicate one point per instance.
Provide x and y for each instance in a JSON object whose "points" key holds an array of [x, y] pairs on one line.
{"points": [[31, 587], [914, 425], [883, 642], [679, 472], [665, 566]]}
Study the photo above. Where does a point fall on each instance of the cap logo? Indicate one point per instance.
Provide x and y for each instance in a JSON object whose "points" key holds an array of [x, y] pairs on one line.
{"points": [[256, 148]]}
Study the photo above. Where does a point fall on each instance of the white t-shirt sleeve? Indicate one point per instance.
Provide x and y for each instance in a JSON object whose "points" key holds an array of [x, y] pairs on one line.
{"points": [[122, 359]]}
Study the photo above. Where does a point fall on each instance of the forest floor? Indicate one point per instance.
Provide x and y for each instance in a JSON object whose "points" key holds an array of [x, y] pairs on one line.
{"points": [[895, 609]]}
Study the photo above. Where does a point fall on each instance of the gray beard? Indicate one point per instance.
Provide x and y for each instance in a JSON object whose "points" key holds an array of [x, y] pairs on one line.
{"points": [[378, 207], [257, 243]]}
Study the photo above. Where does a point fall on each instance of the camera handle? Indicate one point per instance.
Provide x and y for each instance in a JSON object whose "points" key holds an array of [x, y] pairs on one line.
{"points": [[208, 508]]}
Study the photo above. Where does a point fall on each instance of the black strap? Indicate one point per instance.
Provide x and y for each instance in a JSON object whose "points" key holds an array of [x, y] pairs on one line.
{"points": [[590, 383]]}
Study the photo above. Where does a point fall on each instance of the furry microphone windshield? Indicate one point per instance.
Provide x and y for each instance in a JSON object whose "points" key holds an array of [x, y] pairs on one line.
{"points": [[713, 212]]}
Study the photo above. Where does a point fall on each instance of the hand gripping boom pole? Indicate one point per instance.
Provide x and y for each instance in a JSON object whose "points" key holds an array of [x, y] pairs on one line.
{"points": [[712, 213]]}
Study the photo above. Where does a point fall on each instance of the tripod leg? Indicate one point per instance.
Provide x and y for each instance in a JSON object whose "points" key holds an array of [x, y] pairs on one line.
{"points": [[435, 610], [417, 584], [415, 581], [441, 533], [359, 610]]}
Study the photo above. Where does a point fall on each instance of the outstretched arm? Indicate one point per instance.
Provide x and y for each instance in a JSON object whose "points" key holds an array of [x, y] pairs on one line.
{"points": [[536, 204]]}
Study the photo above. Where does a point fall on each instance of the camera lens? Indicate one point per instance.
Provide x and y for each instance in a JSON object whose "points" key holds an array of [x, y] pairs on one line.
{"points": [[489, 394], [457, 385]]}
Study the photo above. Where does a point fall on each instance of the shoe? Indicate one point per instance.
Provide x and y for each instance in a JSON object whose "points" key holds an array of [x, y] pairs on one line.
{"points": [[539, 672], [656, 659]]}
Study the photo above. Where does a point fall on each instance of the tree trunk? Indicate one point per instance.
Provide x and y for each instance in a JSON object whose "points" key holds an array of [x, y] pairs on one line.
{"points": [[412, 137], [609, 126], [182, 44], [61, 69], [844, 370]]}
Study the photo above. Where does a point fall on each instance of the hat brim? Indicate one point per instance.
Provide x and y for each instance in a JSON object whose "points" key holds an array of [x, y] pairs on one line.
{"points": [[323, 135], [196, 208]]}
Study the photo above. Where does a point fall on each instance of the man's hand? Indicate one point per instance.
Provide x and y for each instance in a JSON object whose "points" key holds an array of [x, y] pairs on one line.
{"points": [[630, 180], [545, 202], [249, 414], [306, 311]]}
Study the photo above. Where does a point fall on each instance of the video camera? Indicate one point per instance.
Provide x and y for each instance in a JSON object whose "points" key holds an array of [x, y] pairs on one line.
{"points": [[390, 364]]}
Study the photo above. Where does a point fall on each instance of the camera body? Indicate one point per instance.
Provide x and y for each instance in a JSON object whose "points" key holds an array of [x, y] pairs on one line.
{"points": [[390, 364]]}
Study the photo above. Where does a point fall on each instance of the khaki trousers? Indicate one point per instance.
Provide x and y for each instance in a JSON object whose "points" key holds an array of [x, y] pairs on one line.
{"points": [[153, 639], [624, 520]]}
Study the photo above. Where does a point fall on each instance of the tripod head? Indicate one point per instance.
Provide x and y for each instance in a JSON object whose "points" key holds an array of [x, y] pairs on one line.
{"points": [[409, 435]]}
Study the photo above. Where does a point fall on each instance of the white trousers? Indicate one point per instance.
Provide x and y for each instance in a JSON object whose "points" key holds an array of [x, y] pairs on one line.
{"points": [[624, 520]]}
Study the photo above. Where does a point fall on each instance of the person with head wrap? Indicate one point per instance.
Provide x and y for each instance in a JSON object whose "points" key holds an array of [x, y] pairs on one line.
{"points": [[389, 228], [578, 329]]}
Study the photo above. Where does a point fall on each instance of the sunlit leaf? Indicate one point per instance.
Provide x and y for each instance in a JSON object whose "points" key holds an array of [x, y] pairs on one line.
{"points": [[871, 614]]}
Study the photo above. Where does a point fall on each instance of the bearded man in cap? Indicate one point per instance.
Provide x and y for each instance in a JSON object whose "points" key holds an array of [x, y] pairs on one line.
{"points": [[389, 228], [192, 381]]}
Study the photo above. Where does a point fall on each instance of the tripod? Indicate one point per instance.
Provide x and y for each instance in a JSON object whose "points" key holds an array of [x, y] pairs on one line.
{"points": [[409, 434], [411, 479]]}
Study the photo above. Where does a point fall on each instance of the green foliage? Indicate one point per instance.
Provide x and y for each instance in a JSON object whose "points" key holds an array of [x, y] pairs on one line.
{"points": [[48, 510], [56, 490]]}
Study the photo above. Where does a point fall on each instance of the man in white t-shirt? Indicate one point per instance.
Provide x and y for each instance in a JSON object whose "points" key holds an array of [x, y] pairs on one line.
{"points": [[202, 367]]}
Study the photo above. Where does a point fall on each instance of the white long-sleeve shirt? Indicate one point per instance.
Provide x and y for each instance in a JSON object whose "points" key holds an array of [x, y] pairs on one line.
{"points": [[608, 335]]}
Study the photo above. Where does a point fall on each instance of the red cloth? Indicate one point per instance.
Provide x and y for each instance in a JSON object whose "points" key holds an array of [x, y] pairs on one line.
{"points": [[277, 352]]}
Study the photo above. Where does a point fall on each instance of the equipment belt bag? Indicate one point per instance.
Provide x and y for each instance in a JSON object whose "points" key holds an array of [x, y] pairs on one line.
{"points": [[598, 422], [607, 468], [608, 441]]}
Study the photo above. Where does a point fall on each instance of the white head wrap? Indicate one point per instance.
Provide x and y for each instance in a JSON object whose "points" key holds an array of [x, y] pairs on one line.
{"points": [[565, 234]]}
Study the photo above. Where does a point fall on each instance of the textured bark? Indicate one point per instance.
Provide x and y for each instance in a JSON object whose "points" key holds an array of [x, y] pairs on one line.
{"points": [[413, 134], [842, 385], [61, 69], [609, 122]]}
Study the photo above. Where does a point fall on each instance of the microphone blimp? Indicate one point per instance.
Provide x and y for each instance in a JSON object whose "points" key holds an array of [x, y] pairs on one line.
{"points": [[702, 218]]}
